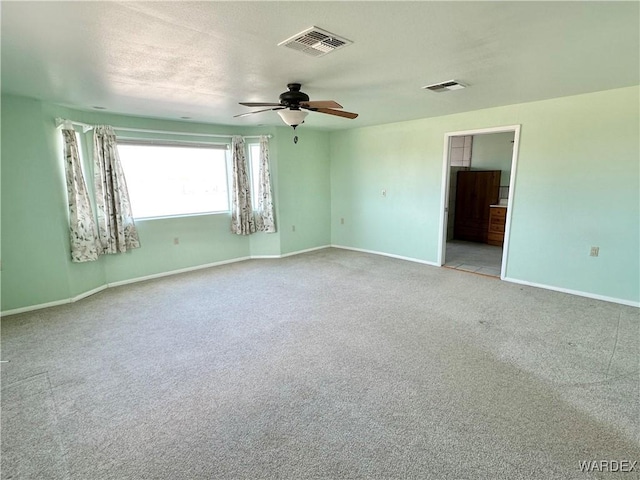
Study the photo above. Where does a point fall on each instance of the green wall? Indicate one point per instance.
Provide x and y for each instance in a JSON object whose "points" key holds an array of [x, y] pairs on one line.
{"points": [[577, 186], [36, 266], [402, 159], [33, 269], [304, 189]]}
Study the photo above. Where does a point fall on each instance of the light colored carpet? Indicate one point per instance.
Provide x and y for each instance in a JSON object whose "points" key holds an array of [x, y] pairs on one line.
{"points": [[327, 365]]}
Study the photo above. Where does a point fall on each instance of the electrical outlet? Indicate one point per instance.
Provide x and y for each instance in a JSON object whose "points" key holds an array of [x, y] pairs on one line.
{"points": [[176, 241], [595, 251], [384, 193]]}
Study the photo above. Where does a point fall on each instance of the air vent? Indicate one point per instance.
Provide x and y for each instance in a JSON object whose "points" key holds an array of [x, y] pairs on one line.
{"points": [[445, 86], [315, 42]]}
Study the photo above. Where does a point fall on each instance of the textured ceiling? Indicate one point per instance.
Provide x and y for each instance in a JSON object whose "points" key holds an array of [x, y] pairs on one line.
{"points": [[199, 59]]}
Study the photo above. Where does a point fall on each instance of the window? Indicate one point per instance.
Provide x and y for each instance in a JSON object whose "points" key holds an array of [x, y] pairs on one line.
{"points": [[254, 172], [175, 179]]}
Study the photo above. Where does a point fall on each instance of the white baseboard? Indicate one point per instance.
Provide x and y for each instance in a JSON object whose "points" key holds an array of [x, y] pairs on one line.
{"points": [[298, 252], [88, 293], [574, 292], [34, 307], [241, 259], [509, 279], [116, 284], [55, 303], [175, 272], [384, 254], [147, 277]]}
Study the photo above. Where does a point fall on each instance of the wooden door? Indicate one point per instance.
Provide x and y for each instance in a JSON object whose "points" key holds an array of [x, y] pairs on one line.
{"points": [[475, 191]]}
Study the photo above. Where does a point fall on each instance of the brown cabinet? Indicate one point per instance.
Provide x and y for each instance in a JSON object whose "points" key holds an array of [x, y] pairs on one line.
{"points": [[497, 220], [475, 191]]}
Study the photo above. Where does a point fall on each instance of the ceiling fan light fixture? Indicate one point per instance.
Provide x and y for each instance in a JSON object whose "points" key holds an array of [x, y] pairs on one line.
{"points": [[293, 118]]}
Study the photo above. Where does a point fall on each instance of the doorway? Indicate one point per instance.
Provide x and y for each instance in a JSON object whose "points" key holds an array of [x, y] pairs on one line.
{"points": [[480, 182]]}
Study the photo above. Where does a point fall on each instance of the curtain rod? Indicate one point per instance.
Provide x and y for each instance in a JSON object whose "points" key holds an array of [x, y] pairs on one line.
{"points": [[60, 122], [86, 127], [215, 135]]}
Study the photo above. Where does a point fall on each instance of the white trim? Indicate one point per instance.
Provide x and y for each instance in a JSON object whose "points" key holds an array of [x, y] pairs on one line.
{"points": [[88, 293], [444, 197], [512, 190], [60, 123], [86, 127], [30, 308], [297, 252], [399, 257], [305, 251], [444, 201], [182, 215], [482, 131], [56, 303], [175, 272], [579, 293], [191, 134], [146, 142], [116, 284]]}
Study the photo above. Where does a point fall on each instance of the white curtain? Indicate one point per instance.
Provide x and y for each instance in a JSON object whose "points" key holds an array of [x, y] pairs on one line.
{"points": [[116, 228], [242, 221], [82, 227], [265, 221]]}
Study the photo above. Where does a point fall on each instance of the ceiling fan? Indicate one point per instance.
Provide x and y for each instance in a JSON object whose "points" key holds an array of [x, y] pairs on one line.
{"points": [[294, 104]]}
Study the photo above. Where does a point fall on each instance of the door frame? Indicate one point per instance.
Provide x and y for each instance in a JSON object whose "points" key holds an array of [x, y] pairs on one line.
{"points": [[444, 201]]}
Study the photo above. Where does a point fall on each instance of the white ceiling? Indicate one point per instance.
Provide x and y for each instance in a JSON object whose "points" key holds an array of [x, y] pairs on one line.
{"points": [[199, 59]]}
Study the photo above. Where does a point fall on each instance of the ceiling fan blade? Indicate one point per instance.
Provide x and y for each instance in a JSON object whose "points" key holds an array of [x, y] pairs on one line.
{"points": [[259, 104], [257, 111], [338, 113], [321, 104]]}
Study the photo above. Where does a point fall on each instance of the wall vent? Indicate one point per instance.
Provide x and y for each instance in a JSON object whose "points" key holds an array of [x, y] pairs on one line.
{"points": [[445, 86], [315, 42]]}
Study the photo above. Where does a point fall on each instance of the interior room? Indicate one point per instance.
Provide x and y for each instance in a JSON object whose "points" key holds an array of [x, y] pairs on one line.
{"points": [[320, 240], [478, 201]]}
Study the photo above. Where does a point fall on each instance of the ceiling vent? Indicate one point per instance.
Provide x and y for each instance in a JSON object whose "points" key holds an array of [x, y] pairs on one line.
{"points": [[315, 42], [445, 86]]}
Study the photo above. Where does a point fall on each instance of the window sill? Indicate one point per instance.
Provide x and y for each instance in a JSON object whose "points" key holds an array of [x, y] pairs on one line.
{"points": [[181, 215]]}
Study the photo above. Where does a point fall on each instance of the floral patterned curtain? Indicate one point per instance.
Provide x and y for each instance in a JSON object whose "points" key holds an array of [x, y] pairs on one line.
{"points": [[242, 221], [82, 227], [116, 228], [264, 215]]}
